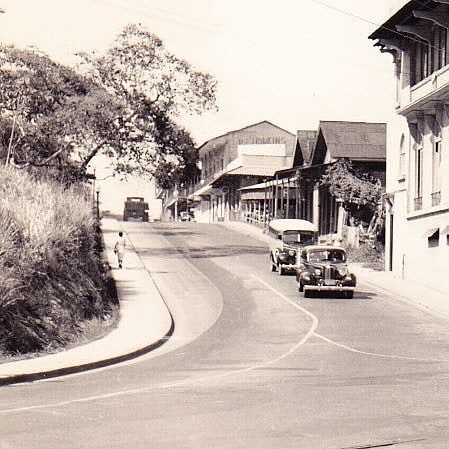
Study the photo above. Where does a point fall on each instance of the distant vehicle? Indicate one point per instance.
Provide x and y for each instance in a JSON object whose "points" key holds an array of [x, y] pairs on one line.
{"points": [[135, 207], [286, 237], [184, 216], [324, 269]]}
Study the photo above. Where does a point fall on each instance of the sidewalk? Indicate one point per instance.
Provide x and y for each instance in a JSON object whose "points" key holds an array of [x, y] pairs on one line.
{"points": [[145, 324]]}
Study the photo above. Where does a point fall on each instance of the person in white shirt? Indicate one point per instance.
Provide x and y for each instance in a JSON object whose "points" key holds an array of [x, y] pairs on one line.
{"points": [[119, 249]]}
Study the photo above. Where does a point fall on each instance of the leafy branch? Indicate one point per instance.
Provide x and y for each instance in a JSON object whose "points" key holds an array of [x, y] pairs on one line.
{"points": [[350, 184]]}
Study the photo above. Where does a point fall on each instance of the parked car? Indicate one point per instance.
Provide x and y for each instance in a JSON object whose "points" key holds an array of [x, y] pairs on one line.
{"points": [[324, 269], [286, 238], [185, 216], [135, 207]]}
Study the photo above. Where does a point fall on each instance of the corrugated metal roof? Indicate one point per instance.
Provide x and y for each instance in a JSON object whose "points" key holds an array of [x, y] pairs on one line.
{"points": [[355, 140]]}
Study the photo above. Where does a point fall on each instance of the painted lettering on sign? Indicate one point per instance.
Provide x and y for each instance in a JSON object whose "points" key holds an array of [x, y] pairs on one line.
{"points": [[254, 140]]}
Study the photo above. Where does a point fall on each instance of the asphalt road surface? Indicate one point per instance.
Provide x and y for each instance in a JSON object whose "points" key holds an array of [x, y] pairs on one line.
{"points": [[251, 364]]}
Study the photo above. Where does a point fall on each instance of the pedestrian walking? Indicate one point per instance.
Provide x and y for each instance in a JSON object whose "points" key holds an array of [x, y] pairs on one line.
{"points": [[119, 249]]}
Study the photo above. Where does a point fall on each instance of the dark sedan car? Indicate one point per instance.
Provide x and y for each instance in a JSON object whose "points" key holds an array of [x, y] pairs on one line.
{"points": [[324, 269]]}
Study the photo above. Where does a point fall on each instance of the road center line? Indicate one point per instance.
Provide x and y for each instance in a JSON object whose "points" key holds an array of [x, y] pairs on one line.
{"points": [[375, 354], [340, 345], [186, 381]]}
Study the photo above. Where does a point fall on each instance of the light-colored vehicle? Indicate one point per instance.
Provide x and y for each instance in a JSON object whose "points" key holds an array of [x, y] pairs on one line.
{"points": [[287, 237], [184, 216]]}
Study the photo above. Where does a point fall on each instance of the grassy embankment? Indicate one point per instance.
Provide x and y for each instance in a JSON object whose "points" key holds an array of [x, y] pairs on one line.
{"points": [[54, 287]]}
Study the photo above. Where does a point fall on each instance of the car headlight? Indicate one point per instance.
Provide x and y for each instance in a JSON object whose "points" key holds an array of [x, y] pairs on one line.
{"points": [[342, 271], [291, 252], [317, 272]]}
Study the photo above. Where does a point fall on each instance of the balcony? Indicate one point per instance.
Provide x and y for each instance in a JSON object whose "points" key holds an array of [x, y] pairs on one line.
{"points": [[418, 203], [434, 88], [436, 198]]}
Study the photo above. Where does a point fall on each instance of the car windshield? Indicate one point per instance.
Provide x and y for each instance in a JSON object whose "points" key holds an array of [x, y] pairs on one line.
{"points": [[303, 237], [326, 256]]}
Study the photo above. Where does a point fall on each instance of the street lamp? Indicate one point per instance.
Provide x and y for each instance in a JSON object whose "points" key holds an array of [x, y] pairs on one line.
{"points": [[97, 192]]}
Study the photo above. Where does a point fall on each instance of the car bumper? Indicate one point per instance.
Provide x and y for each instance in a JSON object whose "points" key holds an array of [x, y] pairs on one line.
{"points": [[329, 288], [288, 266]]}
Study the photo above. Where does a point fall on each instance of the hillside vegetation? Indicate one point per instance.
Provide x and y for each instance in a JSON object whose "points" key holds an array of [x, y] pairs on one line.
{"points": [[52, 279]]}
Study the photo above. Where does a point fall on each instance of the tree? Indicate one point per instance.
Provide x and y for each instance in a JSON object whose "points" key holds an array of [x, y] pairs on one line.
{"points": [[44, 106], [360, 192], [350, 184], [154, 87], [123, 104]]}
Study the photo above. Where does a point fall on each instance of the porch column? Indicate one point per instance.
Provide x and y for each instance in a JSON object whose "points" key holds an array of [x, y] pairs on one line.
{"points": [[341, 218], [276, 198], [316, 206]]}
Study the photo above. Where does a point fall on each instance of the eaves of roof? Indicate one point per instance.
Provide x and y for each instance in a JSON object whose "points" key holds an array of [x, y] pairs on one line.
{"points": [[388, 28]]}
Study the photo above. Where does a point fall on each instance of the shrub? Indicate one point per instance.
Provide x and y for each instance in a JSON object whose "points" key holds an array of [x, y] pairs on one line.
{"points": [[51, 276], [369, 255]]}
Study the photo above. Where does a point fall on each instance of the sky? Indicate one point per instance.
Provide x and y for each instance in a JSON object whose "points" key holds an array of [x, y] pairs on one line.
{"points": [[291, 62]]}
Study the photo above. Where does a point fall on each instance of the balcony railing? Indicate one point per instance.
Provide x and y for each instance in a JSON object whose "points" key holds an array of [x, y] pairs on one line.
{"points": [[418, 203], [436, 198]]}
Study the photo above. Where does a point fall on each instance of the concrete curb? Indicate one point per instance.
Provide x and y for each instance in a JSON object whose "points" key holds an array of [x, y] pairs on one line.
{"points": [[31, 377]]}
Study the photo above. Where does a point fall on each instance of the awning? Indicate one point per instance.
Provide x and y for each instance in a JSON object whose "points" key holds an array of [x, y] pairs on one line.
{"points": [[271, 183], [256, 195], [252, 171], [430, 232]]}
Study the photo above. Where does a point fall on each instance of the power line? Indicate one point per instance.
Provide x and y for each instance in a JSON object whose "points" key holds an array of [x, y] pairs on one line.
{"points": [[347, 13], [164, 15]]}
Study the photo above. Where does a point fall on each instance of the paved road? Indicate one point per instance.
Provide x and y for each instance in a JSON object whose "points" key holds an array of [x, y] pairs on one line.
{"points": [[249, 365]]}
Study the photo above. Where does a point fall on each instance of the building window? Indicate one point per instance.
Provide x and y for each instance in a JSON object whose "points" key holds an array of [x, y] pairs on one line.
{"points": [[436, 171], [418, 177], [433, 239]]}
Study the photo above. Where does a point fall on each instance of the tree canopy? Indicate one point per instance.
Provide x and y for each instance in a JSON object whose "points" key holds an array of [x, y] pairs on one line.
{"points": [[350, 184], [124, 104], [154, 87]]}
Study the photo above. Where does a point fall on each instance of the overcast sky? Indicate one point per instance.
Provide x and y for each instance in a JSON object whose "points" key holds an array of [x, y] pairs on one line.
{"points": [[292, 62]]}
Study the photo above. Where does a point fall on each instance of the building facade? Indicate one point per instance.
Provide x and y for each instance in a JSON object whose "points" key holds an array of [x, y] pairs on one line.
{"points": [[417, 238], [298, 193], [234, 160]]}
